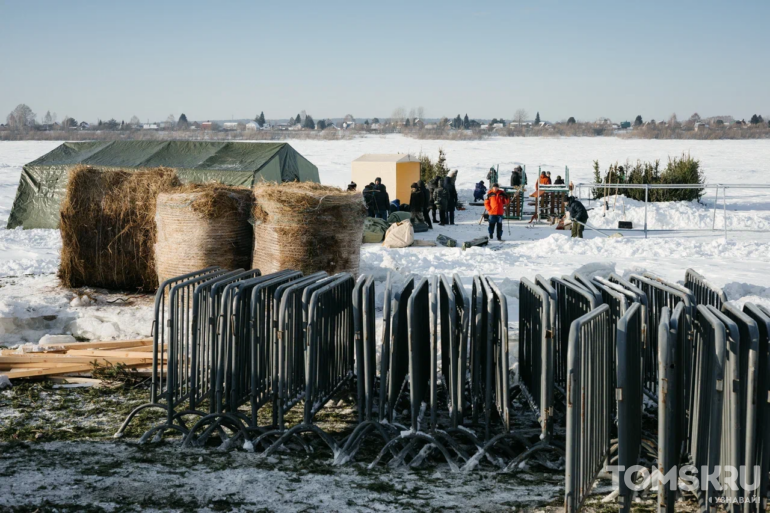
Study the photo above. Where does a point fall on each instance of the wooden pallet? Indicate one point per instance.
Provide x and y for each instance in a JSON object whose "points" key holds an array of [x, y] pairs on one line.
{"points": [[77, 358]]}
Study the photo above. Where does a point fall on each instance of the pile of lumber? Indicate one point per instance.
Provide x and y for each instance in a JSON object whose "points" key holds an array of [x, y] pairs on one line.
{"points": [[77, 358]]}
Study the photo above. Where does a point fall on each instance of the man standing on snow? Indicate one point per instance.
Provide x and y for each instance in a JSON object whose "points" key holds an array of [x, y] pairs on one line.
{"points": [[495, 205], [578, 214], [449, 185]]}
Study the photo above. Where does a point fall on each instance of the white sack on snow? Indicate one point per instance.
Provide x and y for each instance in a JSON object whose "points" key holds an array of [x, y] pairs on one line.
{"points": [[399, 235]]}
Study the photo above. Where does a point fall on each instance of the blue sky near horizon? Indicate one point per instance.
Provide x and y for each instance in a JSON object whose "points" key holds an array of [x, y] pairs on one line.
{"points": [[616, 59]]}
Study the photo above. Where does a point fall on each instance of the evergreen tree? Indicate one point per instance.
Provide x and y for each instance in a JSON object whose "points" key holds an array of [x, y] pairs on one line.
{"points": [[638, 121], [537, 118], [309, 124], [466, 122], [571, 121], [298, 120], [376, 120], [261, 119], [321, 125], [406, 123], [182, 124], [366, 123]]}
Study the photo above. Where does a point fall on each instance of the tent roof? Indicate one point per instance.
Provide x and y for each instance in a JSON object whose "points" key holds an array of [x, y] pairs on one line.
{"points": [[43, 181], [387, 157], [208, 155]]}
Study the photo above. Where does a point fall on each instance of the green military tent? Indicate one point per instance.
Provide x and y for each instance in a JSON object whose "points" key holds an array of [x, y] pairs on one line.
{"points": [[43, 181]]}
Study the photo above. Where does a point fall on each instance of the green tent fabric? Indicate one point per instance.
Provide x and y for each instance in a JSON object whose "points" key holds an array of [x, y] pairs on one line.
{"points": [[43, 181], [374, 230], [397, 217]]}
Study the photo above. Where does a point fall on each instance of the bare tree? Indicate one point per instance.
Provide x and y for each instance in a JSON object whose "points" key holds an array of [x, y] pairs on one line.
{"points": [[54, 117], [134, 121], [421, 113], [171, 121], [673, 121], [398, 115], [412, 114], [47, 119], [22, 118], [520, 116]]}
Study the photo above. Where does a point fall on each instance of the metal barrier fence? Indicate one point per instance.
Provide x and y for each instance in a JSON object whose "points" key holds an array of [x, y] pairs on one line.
{"points": [[628, 393], [740, 423], [316, 349], [704, 425], [761, 401], [588, 404], [660, 295], [536, 352], [703, 291], [572, 302], [169, 389], [671, 334]]}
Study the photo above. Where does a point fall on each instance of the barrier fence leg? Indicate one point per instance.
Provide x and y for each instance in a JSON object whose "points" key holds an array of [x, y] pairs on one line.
{"points": [[646, 199]]}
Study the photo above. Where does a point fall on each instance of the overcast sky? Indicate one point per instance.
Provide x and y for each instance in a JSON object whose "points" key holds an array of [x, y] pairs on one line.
{"points": [[217, 60]]}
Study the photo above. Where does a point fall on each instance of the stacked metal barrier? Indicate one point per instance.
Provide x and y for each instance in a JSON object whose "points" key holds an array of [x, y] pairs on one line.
{"points": [[175, 333], [572, 302], [628, 393], [227, 342], [703, 291], [671, 334], [759, 454], [589, 381], [660, 295]]}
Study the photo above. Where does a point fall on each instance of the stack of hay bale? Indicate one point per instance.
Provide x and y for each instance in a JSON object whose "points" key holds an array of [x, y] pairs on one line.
{"points": [[108, 227], [200, 226], [308, 227], [132, 230]]}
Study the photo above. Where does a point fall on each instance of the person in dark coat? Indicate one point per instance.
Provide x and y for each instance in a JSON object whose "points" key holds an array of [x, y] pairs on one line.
{"points": [[441, 200], [369, 199], [479, 191], [416, 204], [577, 212], [381, 201], [449, 185], [426, 199], [352, 186], [432, 186], [559, 180], [394, 205], [516, 177]]}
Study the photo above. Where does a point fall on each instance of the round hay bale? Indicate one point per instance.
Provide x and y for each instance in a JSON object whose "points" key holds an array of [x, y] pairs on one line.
{"points": [[308, 227], [200, 226], [108, 227]]}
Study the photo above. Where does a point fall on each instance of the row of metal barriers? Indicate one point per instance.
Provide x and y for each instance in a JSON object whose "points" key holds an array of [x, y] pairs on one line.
{"points": [[656, 379], [634, 372]]}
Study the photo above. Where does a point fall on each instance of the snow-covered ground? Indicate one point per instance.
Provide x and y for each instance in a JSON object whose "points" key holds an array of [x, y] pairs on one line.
{"points": [[32, 304]]}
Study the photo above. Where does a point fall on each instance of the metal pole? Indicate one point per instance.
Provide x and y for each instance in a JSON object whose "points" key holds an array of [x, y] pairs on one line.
{"points": [[716, 202], [724, 205], [646, 199]]}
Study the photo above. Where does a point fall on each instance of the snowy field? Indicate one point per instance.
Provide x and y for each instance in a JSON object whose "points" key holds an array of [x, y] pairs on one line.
{"points": [[65, 459], [32, 304]]}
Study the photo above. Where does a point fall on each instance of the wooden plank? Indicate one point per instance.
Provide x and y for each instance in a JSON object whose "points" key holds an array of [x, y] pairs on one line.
{"points": [[42, 364], [108, 344], [29, 373], [29, 358], [111, 354]]}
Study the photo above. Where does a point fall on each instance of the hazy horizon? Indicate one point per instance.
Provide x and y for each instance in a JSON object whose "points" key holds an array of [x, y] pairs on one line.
{"points": [[95, 61]]}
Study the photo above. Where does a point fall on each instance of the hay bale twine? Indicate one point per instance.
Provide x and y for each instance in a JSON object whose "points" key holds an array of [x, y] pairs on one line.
{"points": [[202, 225], [108, 227], [308, 227]]}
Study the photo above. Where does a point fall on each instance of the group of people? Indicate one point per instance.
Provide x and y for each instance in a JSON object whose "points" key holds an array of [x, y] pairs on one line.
{"points": [[439, 194], [377, 199], [425, 200]]}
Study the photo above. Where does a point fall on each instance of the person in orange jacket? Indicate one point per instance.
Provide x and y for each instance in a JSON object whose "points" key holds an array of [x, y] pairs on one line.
{"points": [[495, 205]]}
